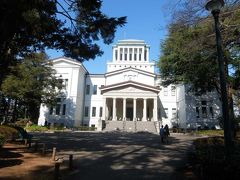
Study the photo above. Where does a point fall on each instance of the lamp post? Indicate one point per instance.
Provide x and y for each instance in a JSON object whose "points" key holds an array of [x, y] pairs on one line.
{"points": [[214, 6]]}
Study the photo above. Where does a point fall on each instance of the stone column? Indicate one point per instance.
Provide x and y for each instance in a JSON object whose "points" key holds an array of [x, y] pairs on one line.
{"points": [[134, 109], [104, 109], [155, 109], [124, 109], [144, 109], [114, 109]]}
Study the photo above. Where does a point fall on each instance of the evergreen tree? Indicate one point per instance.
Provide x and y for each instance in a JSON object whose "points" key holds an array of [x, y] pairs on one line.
{"points": [[30, 83], [73, 26]]}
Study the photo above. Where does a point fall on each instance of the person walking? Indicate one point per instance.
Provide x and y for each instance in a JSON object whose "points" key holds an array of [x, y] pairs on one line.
{"points": [[166, 131], [162, 134]]}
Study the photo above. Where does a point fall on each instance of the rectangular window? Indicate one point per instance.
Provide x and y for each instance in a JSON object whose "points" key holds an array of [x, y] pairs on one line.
{"points": [[58, 107], [87, 89], [116, 54], [145, 55], [165, 91], [100, 112], [204, 103], [95, 89], [64, 109], [86, 111], [135, 54], [93, 111], [130, 54], [166, 112], [197, 112], [58, 100], [140, 54], [125, 53], [174, 112], [51, 110], [121, 54], [211, 111], [65, 83], [173, 90], [204, 111]]}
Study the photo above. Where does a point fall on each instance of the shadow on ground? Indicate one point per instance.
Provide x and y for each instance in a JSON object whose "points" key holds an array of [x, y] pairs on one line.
{"points": [[117, 155]]}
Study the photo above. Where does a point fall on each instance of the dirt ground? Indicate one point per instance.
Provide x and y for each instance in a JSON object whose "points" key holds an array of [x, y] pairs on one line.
{"points": [[99, 155]]}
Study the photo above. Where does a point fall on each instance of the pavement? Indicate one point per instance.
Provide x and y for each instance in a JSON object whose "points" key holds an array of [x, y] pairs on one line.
{"points": [[115, 155]]}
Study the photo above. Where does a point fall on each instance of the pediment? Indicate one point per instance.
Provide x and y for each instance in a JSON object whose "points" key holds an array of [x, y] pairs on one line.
{"points": [[129, 87], [66, 62], [129, 71]]}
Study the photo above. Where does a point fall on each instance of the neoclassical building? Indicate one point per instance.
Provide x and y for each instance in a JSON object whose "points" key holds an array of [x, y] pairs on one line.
{"points": [[128, 97]]}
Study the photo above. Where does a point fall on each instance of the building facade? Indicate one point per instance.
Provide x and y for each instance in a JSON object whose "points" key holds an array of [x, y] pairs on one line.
{"points": [[128, 97]]}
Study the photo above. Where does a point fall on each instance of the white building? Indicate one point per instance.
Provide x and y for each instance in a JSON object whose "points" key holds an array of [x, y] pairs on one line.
{"points": [[129, 96]]}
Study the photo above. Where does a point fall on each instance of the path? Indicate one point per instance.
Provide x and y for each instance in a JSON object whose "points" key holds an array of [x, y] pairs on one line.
{"points": [[116, 156]]}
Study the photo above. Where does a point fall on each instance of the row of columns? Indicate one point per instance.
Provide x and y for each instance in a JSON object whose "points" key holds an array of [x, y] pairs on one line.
{"points": [[144, 53], [134, 108]]}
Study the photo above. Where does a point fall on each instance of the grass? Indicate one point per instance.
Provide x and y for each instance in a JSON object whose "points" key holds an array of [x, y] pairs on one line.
{"points": [[36, 128], [209, 132]]}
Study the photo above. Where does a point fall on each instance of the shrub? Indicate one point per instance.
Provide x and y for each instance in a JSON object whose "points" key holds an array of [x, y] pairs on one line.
{"points": [[22, 122], [36, 128], [9, 132], [2, 140], [209, 159], [85, 128]]}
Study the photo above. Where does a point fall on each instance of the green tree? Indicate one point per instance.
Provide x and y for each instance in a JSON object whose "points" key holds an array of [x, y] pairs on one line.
{"points": [[73, 26], [189, 52], [31, 82]]}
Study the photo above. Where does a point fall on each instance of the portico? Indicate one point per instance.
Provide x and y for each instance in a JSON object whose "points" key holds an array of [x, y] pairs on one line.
{"points": [[130, 101], [130, 109]]}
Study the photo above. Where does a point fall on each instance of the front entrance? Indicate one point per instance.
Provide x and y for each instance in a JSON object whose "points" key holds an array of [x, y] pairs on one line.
{"points": [[129, 113]]}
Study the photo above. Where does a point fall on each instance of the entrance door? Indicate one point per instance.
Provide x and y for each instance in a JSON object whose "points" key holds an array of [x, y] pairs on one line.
{"points": [[129, 113]]}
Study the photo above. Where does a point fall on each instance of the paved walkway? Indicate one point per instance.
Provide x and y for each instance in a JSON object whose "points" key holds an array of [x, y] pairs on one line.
{"points": [[116, 156]]}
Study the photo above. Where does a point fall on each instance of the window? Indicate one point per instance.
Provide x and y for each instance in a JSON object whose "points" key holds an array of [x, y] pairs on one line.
{"points": [[64, 109], [87, 89], [211, 111], [166, 112], [65, 83], [204, 109], [95, 89], [51, 110], [116, 54], [204, 112], [100, 112], [145, 55], [58, 107], [140, 54], [125, 53], [197, 112], [93, 111], [86, 111], [130, 54], [173, 90], [165, 91], [121, 54], [135, 54], [174, 112]]}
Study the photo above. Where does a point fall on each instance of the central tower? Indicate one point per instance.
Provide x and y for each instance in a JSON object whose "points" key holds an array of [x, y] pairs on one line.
{"points": [[130, 53]]}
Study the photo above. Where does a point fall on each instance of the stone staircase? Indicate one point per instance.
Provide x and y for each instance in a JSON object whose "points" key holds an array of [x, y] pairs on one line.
{"points": [[133, 126]]}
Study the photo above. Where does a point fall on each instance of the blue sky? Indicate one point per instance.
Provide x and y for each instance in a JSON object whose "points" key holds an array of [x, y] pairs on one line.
{"points": [[146, 20]]}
